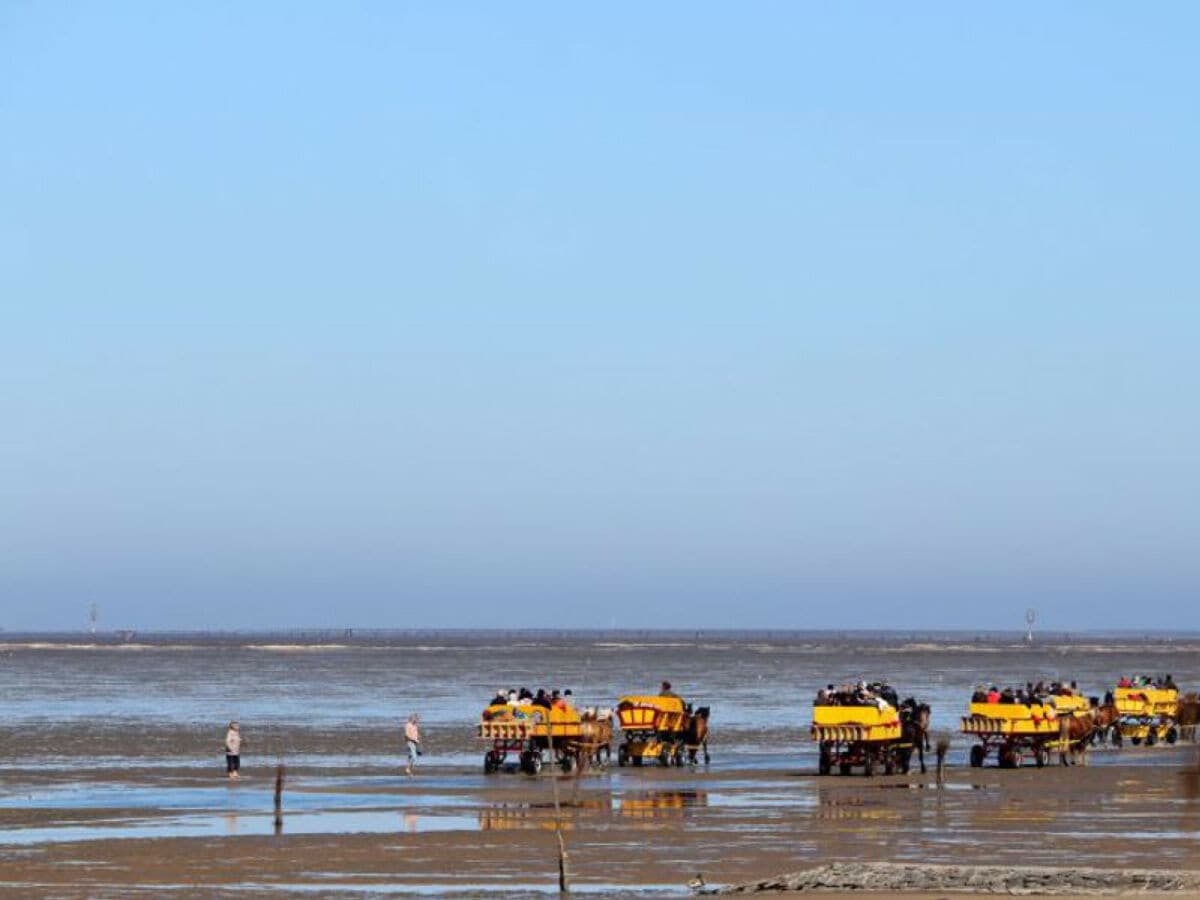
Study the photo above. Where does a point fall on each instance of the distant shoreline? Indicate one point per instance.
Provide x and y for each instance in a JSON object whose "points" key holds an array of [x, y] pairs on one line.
{"points": [[331, 638]]}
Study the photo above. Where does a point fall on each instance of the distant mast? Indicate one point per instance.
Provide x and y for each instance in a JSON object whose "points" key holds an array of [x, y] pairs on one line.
{"points": [[93, 617], [1030, 619]]}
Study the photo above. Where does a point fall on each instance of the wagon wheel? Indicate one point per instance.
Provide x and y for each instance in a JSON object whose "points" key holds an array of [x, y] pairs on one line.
{"points": [[622, 756], [869, 764], [978, 753], [1152, 736], [531, 762], [1041, 755], [491, 762], [665, 757], [825, 761], [1007, 757], [678, 756], [1172, 735], [567, 763], [844, 768], [889, 763]]}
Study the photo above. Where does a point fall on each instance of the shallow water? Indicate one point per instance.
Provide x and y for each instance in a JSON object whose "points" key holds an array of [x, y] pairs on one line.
{"points": [[233, 824], [344, 705]]}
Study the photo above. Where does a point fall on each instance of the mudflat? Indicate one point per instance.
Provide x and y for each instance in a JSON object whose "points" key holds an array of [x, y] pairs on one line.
{"points": [[100, 832], [111, 770]]}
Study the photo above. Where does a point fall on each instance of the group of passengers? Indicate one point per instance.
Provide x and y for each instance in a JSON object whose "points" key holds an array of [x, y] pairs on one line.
{"points": [[879, 694], [1149, 681], [554, 699], [1028, 695]]}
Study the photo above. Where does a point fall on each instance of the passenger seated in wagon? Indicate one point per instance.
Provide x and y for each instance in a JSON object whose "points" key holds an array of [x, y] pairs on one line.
{"points": [[665, 691]]}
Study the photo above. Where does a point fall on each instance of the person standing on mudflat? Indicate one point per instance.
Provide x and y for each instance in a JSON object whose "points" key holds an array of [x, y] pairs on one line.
{"points": [[412, 738], [233, 751]]}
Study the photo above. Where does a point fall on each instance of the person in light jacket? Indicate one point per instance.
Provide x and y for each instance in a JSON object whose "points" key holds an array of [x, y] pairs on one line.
{"points": [[233, 750], [412, 738]]}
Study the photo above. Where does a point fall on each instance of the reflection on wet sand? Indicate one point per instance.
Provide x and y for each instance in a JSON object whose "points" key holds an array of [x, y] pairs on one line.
{"points": [[506, 817], [834, 805], [660, 804]]}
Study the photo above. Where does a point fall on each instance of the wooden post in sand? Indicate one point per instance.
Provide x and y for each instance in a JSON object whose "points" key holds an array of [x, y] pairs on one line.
{"points": [[564, 886], [279, 798]]}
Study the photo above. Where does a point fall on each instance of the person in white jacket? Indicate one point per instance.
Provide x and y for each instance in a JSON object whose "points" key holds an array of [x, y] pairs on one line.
{"points": [[412, 737], [233, 750]]}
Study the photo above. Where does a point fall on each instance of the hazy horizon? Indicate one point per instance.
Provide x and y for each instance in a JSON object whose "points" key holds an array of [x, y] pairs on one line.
{"points": [[440, 315], [332, 633]]}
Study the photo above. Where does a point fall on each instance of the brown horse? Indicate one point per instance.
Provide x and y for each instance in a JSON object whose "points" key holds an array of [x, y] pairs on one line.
{"points": [[1074, 736], [595, 739], [1105, 720], [1187, 716], [695, 735]]}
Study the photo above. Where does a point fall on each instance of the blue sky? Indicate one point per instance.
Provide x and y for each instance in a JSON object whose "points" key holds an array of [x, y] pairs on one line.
{"points": [[781, 315]]}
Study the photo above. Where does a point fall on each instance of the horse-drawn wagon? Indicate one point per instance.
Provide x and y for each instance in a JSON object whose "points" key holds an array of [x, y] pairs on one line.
{"points": [[1030, 728], [1147, 714], [873, 734], [534, 735], [661, 728]]}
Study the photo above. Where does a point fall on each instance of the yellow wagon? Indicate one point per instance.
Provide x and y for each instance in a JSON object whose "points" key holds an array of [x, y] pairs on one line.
{"points": [[1014, 731], [1147, 714], [1070, 704], [868, 736], [531, 734], [660, 728]]}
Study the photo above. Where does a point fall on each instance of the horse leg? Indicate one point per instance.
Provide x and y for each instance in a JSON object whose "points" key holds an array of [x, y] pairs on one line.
{"points": [[921, 755]]}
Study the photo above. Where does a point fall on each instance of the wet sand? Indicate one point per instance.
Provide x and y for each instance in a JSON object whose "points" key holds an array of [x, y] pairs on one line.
{"points": [[456, 830], [110, 778]]}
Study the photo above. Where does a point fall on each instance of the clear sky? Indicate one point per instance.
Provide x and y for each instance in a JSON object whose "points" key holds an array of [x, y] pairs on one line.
{"points": [[442, 314]]}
